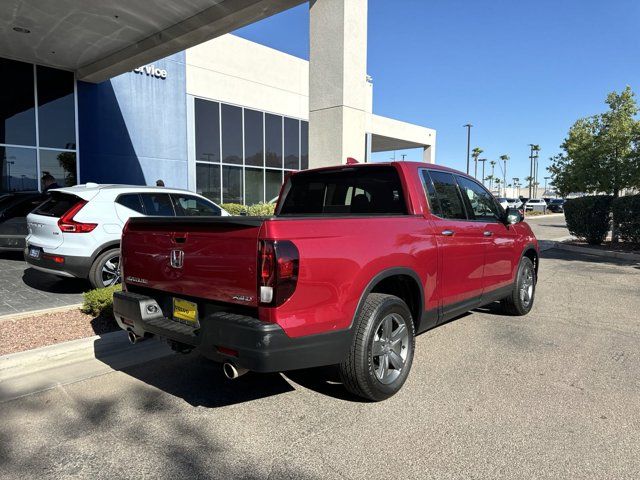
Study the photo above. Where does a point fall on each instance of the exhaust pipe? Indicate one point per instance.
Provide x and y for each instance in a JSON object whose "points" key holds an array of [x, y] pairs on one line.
{"points": [[133, 338], [232, 372]]}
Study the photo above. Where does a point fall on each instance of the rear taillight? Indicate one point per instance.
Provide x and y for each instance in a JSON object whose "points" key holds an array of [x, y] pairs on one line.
{"points": [[278, 271], [68, 225]]}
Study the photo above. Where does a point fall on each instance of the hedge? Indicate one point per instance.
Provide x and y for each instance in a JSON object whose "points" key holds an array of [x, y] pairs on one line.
{"points": [[257, 210], [99, 302], [626, 213], [589, 217]]}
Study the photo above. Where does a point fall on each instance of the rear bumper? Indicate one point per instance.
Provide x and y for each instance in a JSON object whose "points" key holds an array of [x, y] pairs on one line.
{"points": [[70, 267], [228, 337]]}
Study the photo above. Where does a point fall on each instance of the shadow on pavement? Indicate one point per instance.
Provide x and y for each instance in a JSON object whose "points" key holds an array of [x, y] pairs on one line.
{"points": [[53, 284], [200, 381], [558, 254], [12, 256]]}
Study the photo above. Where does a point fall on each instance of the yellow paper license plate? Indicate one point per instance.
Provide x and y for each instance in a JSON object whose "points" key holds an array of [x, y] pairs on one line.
{"points": [[185, 311]]}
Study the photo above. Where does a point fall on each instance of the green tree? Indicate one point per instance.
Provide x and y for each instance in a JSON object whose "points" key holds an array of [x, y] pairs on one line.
{"points": [[601, 153]]}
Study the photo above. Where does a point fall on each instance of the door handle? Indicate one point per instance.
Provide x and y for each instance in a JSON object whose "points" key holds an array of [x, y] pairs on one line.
{"points": [[487, 233], [448, 233]]}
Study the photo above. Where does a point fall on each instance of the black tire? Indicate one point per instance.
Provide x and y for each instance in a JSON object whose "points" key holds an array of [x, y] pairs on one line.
{"points": [[520, 301], [97, 276], [363, 372]]}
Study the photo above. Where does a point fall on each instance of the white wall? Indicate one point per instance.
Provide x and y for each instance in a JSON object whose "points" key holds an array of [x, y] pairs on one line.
{"points": [[234, 70]]}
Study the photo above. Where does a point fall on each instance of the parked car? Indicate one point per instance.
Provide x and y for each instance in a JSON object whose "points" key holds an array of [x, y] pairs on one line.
{"points": [[535, 205], [355, 262], [76, 232], [556, 205], [14, 208], [510, 203]]}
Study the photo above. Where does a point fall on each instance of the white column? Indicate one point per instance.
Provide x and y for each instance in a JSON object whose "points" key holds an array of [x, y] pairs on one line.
{"points": [[337, 81], [429, 154]]}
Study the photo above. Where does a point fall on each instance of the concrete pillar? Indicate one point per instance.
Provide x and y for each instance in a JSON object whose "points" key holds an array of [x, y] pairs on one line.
{"points": [[338, 91], [429, 154]]}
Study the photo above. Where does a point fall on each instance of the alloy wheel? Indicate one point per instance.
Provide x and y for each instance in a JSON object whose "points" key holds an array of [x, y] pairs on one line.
{"points": [[390, 348]]}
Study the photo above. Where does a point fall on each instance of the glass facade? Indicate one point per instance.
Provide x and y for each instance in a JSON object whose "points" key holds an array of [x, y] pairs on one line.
{"points": [[37, 126], [242, 155]]}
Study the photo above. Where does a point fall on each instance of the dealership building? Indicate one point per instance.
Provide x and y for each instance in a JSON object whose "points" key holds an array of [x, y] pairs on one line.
{"points": [[224, 116]]}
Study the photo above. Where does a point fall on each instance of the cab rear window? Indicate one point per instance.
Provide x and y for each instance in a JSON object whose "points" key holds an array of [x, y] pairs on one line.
{"points": [[57, 205], [345, 191]]}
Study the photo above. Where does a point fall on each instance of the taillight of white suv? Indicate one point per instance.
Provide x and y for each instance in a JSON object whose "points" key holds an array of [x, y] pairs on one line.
{"points": [[68, 224]]}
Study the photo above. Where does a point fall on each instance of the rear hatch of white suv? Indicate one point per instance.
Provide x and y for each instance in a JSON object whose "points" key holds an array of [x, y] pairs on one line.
{"points": [[50, 222]]}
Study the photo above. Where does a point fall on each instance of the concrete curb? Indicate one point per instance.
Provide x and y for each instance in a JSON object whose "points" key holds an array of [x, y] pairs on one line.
{"points": [[548, 215], [634, 257], [44, 311], [24, 373]]}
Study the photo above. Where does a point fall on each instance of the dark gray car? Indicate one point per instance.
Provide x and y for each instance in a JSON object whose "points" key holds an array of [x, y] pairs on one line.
{"points": [[14, 208]]}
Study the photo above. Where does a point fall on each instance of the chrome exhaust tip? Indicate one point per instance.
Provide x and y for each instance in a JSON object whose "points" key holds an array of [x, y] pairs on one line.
{"points": [[232, 372], [133, 338]]}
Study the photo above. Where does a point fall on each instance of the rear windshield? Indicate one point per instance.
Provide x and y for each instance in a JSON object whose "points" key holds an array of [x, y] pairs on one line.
{"points": [[345, 191], [57, 205]]}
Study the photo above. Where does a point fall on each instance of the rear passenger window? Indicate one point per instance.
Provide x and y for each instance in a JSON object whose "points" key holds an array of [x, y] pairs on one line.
{"points": [[189, 206], [448, 195], [429, 190], [157, 204], [131, 201], [57, 205], [480, 201]]}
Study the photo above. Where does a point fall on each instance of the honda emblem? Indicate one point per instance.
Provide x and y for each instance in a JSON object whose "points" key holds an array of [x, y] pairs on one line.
{"points": [[177, 258]]}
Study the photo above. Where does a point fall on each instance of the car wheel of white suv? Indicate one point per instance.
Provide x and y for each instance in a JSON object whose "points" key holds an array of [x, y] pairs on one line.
{"points": [[105, 270]]}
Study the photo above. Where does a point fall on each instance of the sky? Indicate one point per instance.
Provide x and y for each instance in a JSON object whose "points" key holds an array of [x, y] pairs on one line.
{"points": [[520, 71]]}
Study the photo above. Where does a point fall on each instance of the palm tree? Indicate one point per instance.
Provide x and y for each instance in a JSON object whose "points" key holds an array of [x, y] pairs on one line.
{"points": [[493, 166], [475, 153], [529, 180], [497, 182]]}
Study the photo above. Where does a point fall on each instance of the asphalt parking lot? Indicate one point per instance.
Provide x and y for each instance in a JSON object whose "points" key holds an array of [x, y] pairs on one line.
{"points": [[23, 289], [555, 394]]}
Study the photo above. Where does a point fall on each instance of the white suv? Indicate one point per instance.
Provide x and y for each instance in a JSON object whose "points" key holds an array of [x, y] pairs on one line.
{"points": [[76, 232]]}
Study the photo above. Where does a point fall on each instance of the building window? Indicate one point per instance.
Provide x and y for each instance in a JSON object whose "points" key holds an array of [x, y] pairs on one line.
{"points": [[253, 138], [273, 182], [291, 144], [232, 185], [24, 156], [304, 145], [208, 181], [19, 169], [231, 134], [56, 108], [60, 165], [17, 103], [254, 185], [207, 126], [256, 150], [273, 140]]}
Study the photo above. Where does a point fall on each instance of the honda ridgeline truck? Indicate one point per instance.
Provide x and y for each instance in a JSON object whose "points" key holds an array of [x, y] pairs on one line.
{"points": [[356, 261]]}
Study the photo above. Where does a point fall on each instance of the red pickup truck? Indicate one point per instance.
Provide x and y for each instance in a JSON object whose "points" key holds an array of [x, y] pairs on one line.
{"points": [[356, 261]]}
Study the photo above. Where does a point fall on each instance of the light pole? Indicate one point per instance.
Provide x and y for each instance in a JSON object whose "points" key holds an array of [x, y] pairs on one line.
{"points": [[536, 149], [504, 158], [531, 145], [482, 160], [493, 167], [545, 185], [9, 163], [468, 127], [516, 184]]}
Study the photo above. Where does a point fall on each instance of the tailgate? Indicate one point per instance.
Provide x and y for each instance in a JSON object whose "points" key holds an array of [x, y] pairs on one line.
{"points": [[213, 258]]}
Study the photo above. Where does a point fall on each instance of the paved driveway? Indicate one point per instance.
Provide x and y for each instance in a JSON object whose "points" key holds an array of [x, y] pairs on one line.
{"points": [[23, 289], [549, 228], [555, 394]]}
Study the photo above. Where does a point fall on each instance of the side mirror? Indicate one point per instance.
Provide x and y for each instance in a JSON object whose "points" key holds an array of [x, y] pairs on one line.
{"points": [[513, 216]]}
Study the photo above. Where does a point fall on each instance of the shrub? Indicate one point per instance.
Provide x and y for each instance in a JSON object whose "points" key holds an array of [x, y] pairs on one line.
{"points": [[257, 210], [235, 208], [588, 217], [626, 214], [99, 302], [261, 209]]}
